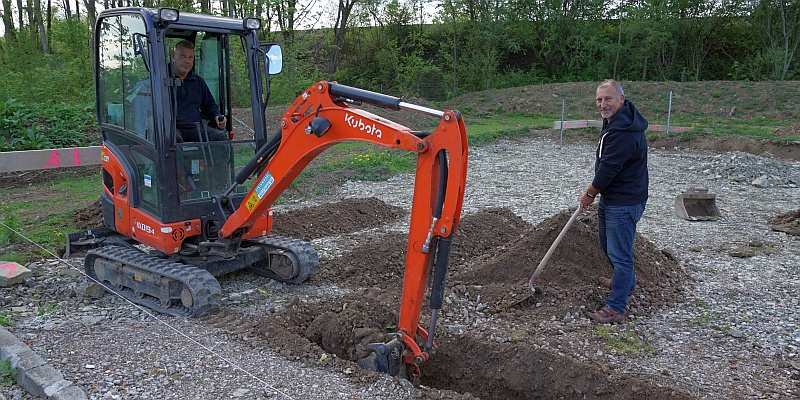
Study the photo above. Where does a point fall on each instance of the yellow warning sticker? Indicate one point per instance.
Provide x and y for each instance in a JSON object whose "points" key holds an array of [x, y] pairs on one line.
{"points": [[252, 202]]}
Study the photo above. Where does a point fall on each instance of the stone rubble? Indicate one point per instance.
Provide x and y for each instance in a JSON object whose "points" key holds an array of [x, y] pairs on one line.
{"points": [[736, 335]]}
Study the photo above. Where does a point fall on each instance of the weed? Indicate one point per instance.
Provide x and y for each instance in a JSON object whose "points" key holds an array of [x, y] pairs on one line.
{"points": [[699, 303], [622, 341], [518, 336], [705, 318], [10, 224], [8, 375], [7, 318], [48, 310]]}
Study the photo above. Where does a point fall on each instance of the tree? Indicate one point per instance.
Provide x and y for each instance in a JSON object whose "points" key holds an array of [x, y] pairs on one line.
{"points": [[777, 22], [40, 26], [339, 30]]}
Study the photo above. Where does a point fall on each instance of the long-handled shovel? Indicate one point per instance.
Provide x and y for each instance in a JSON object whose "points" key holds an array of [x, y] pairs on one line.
{"points": [[553, 248]]}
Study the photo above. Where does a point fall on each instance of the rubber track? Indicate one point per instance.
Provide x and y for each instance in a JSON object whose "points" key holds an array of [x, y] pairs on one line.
{"points": [[305, 253], [205, 289]]}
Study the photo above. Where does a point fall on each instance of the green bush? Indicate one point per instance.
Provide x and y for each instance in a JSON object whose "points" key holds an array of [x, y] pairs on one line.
{"points": [[31, 126]]}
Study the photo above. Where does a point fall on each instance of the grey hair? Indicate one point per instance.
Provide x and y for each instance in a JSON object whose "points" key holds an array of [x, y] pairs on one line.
{"points": [[614, 83]]}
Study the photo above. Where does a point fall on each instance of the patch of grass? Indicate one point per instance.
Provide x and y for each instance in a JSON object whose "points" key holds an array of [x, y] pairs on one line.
{"points": [[373, 165], [48, 309], [518, 335], [7, 318], [705, 319], [623, 341], [46, 221], [10, 224], [489, 137], [15, 257], [481, 132], [8, 375]]}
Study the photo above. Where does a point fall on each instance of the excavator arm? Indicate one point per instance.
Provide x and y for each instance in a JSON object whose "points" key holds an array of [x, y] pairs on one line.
{"points": [[323, 116]]}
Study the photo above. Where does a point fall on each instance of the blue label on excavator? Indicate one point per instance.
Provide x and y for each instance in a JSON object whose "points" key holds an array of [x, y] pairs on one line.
{"points": [[264, 184]]}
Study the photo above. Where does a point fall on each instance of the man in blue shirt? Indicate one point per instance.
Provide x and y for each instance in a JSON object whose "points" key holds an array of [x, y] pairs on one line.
{"points": [[621, 180], [194, 100]]}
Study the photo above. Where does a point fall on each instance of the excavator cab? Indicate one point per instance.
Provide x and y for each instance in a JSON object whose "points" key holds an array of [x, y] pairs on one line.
{"points": [[175, 180]]}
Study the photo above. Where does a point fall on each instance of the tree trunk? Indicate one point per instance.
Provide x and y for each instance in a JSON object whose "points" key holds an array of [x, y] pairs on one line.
{"points": [[619, 45], [8, 22], [339, 30], [286, 14], [32, 23], [91, 12], [20, 19], [67, 10], [40, 25], [455, 48]]}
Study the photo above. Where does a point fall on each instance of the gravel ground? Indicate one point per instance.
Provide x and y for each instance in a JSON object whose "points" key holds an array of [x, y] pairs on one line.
{"points": [[736, 335]]}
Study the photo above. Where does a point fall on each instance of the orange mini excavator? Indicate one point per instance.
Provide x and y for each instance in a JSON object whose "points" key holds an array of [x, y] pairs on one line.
{"points": [[178, 213]]}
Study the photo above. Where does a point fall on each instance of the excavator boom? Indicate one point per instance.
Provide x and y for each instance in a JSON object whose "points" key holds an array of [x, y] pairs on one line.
{"points": [[323, 116]]}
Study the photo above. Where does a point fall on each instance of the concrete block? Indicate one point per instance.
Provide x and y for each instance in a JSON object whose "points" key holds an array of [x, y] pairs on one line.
{"points": [[11, 347], [12, 273], [29, 360], [39, 381]]}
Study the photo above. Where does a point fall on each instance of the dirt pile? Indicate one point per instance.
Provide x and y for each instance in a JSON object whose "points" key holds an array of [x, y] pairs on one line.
{"points": [[494, 252], [788, 222]]}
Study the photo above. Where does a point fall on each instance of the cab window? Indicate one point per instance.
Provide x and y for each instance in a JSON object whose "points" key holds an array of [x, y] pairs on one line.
{"points": [[125, 99]]}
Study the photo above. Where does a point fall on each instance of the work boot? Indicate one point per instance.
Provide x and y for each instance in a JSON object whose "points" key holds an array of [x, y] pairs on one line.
{"points": [[607, 315], [606, 283]]}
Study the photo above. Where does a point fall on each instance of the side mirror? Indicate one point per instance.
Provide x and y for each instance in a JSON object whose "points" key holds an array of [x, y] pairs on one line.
{"points": [[273, 59]]}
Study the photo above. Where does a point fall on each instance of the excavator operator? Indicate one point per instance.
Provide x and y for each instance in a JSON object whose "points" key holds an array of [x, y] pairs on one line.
{"points": [[194, 100]]}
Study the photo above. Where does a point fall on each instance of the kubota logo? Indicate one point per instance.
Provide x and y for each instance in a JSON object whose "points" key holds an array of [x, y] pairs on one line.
{"points": [[146, 228], [360, 125]]}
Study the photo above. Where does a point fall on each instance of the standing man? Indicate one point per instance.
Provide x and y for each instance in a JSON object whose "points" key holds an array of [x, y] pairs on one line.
{"points": [[620, 180], [194, 99]]}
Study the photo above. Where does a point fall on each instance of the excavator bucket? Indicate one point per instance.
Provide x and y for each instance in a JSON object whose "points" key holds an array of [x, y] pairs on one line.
{"points": [[696, 204]]}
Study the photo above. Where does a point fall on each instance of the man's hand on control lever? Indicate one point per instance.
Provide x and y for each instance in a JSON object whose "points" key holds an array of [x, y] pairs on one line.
{"points": [[221, 121]]}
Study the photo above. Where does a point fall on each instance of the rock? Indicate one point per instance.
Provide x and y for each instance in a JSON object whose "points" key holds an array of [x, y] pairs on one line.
{"points": [[91, 290], [12, 273], [742, 253], [761, 182]]}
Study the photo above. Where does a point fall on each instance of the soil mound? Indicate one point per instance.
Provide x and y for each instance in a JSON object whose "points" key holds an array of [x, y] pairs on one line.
{"points": [[570, 278], [787, 222], [348, 215], [495, 252], [89, 217]]}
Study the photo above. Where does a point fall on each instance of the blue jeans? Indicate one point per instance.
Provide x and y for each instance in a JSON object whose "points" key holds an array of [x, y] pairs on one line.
{"points": [[616, 231]]}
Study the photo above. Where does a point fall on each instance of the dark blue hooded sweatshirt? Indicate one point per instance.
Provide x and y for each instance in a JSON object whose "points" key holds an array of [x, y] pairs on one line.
{"points": [[620, 168]]}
